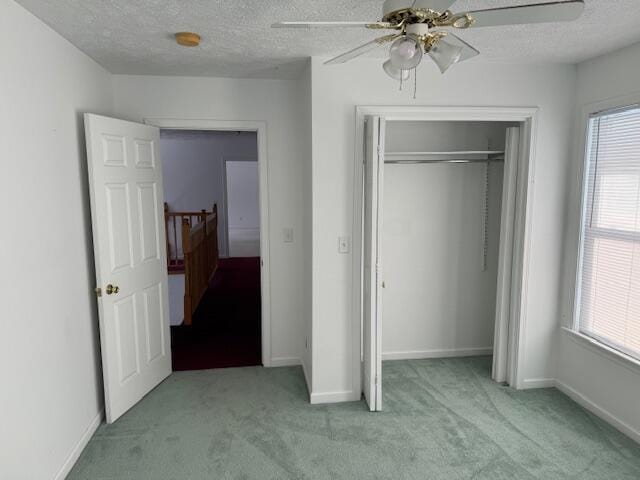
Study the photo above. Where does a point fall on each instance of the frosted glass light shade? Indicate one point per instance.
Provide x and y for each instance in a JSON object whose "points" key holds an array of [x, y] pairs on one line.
{"points": [[445, 54], [405, 53], [395, 73]]}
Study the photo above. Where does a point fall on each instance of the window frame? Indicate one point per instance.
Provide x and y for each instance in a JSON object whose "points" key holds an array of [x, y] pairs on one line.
{"points": [[589, 114]]}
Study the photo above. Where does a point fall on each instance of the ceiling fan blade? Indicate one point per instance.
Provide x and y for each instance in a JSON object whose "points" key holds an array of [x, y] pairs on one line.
{"points": [[362, 49], [372, 25], [535, 13], [467, 50], [436, 5]]}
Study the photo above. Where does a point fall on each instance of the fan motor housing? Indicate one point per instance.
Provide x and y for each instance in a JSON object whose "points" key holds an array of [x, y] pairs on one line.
{"points": [[419, 29]]}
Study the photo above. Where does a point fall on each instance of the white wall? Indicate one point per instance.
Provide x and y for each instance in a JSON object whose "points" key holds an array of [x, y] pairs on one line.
{"points": [[176, 298], [438, 300], [272, 101], [335, 93], [49, 355], [193, 170], [607, 386]]}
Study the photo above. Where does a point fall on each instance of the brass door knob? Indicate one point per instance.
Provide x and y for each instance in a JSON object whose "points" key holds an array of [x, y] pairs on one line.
{"points": [[112, 289]]}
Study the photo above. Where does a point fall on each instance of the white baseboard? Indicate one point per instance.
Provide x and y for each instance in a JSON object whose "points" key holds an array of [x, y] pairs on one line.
{"points": [[334, 397], [438, 353], [284, 362], [598, 410], [537, 383], [79, 447]]}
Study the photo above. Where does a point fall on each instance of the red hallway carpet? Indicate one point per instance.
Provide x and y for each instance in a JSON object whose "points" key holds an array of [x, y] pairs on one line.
{"points": [[226, 326]]}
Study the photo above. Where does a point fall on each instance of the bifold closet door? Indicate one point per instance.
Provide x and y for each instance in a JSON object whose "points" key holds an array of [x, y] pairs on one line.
{"points": [[372, 268], [503, 334]]}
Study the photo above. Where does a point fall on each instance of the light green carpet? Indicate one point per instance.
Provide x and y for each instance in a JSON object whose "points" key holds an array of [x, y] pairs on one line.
{"points": [[443, 419]]}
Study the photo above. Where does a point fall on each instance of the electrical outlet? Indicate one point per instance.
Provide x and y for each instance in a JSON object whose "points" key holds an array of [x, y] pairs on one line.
{"points": [[344, 244]]}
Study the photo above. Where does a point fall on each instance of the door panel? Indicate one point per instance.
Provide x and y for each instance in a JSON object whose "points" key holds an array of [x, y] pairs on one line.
{"points": [[147, 219], [153, 316], [118, 207], [126, 325], [125, 181], [372, 331]]}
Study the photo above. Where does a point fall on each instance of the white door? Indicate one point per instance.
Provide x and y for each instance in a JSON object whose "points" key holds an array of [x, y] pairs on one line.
{"points": [[125, 180], [372, 269], [243, 208]]}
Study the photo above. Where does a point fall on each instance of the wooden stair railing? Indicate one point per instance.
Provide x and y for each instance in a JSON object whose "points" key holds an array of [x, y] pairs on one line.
{"points": [[173, 228], [200, 247]]}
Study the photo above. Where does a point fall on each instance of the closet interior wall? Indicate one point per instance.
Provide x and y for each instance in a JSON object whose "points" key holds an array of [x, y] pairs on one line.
{"points": [[440, 289]]}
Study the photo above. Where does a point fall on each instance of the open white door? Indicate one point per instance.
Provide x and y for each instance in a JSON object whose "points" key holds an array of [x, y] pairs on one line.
{"points": [[125, 180], [372, 269]]}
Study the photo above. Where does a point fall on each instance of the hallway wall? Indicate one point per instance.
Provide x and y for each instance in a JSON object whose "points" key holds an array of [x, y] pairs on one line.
{"points": [[193, 170]]}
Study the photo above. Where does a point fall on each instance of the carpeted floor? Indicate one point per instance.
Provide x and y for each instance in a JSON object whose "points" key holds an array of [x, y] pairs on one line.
{"points": [[226, 325], [443, 419]]}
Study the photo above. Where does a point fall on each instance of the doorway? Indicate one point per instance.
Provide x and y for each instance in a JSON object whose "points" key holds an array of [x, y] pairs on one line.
{"points": [[212, 216], [259, 129], [442, 171]]}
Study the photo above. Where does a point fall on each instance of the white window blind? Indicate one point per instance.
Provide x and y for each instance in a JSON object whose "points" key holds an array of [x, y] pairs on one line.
{"points": [[609, 276]]}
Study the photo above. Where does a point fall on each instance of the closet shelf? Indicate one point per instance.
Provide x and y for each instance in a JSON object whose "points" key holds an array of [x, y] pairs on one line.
{"points": [[456, 153], [462, 156]]}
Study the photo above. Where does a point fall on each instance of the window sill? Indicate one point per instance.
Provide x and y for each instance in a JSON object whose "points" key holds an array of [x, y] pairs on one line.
{"points": [[603, 350]]}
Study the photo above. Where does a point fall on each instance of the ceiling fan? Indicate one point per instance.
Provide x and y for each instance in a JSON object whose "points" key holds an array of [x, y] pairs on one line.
{"points": [[420, 27]]}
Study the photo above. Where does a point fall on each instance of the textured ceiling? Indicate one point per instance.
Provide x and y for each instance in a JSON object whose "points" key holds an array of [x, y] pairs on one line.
{"points": [[135, 37]]}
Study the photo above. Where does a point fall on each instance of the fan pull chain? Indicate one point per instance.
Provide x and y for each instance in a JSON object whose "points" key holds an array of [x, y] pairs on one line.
{"points": [[415, 82], [401, 71]]}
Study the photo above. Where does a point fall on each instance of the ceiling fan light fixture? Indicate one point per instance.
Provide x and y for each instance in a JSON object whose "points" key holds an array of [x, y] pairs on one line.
{"points": [[405, 53], [395, 73], [445, 54]]}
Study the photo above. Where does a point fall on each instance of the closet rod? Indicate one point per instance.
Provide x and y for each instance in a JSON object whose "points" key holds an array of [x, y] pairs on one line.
{"points": [[446, 160]]}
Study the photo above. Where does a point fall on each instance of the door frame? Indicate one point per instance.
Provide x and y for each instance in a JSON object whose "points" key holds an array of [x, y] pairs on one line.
{"points": [[260, 127], [514, 313]]}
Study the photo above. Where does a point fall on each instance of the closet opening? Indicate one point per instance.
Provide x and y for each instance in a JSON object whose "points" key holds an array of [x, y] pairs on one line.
{"points": [[439, 264]]}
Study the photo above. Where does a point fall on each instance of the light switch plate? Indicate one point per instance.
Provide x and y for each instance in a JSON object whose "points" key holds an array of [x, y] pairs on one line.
{"points": [[287, 235], [344, 244]]}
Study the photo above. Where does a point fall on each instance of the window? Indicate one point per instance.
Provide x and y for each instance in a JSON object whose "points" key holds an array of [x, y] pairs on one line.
{"points": [[608, 294]]}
